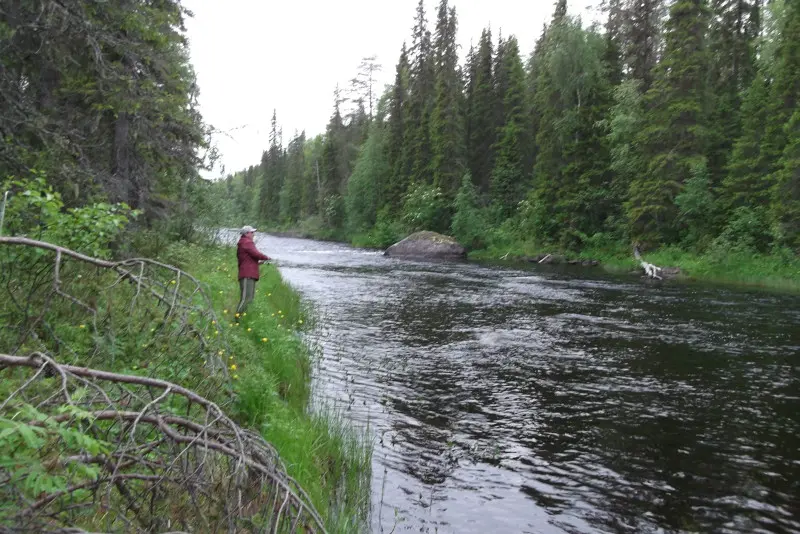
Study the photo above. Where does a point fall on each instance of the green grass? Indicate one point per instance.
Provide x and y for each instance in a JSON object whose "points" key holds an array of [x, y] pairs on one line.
{"points": [[272, 369], [780, 271]]}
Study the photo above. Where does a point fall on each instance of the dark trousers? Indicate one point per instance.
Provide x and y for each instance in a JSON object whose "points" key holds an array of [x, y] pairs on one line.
{"points": [[248, 289]]}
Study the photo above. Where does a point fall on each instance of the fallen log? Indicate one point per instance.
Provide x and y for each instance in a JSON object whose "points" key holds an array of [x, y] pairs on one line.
{"points": [[650, 270]]}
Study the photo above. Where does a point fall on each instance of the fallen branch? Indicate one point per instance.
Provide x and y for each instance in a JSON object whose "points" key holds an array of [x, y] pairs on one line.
{"points": [[199, 470], [649, 269]]}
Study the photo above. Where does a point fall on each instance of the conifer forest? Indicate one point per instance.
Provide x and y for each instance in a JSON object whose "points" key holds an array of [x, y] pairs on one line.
{"points": [[673, 124]]}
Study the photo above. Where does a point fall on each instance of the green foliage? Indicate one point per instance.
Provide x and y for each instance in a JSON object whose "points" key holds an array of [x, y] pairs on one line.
{"points": [[108, 107], [656, 131], [468, 226], [675, 135], [786, 199], [508, 181], [481, 115], [697, 207], [748, 230], [447, 121], [425, 208], [368, 181], [31, 444], [34, 209]]}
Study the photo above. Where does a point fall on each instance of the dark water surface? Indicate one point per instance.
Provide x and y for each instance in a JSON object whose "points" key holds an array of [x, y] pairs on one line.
{"points": [[513, 400]]}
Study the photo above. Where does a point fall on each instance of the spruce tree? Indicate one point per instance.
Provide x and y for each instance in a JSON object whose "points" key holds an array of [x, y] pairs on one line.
{"points": [[272, 177], [786, 192], [734, 29], [747, 179], [509, 182], [675, 137], [782, 132], [447, 130], [398, 159], [642, 38], [291, 196], [420, 100], [482, 116], [569, 194]]}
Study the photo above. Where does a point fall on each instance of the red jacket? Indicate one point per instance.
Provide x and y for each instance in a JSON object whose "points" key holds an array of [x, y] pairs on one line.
{"points": [[248, 256]]}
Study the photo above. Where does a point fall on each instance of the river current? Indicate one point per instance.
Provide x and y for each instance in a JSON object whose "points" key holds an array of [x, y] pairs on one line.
{"points": [[553, 400]]}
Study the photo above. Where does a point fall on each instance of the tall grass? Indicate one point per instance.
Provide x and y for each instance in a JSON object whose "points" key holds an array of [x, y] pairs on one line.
{"points": [[272, 387]]}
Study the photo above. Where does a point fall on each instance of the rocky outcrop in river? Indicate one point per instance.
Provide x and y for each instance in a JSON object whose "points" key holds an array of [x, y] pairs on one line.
{"points": [[429, 246]]}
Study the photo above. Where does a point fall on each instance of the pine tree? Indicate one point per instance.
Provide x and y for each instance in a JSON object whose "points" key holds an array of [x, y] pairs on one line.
{"points": [[675, 135], [509, 182], [447, 130], [482, 116]]}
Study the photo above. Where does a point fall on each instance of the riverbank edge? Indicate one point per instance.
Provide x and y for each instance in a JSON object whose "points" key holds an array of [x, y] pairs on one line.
{"points": [[272, 365], [739, 269]]}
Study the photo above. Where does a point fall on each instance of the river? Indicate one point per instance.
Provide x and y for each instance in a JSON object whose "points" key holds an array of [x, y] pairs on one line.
{"points": [[550, 400]]}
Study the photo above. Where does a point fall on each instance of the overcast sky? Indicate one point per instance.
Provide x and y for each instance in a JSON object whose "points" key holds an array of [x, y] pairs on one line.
{"points": [[253, 56]]}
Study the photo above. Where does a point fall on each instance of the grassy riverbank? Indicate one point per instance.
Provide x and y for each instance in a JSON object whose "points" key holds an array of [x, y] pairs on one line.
{"points": [[773, 271], [272, 371]]}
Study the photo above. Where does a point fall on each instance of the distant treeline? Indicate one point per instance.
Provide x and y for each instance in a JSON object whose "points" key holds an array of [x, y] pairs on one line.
{"points": [[676, 123]]}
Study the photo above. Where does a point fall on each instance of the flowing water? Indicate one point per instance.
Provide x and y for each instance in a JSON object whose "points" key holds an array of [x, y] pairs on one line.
{"points": [[531, 399]]}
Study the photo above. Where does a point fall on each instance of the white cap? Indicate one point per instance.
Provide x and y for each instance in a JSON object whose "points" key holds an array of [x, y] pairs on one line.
{"points": [[247, 230]]}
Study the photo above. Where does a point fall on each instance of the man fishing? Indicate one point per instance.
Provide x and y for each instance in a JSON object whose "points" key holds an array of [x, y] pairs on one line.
{"points": [[249, 258]]}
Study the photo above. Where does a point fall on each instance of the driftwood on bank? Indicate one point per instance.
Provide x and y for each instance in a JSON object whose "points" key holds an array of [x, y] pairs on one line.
{"points": [[146, 454], [162, 306], [171, 459], [653, 271]]}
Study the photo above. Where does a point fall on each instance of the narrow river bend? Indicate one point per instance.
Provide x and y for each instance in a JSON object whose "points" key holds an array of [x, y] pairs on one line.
{"points": [[548, 401]]}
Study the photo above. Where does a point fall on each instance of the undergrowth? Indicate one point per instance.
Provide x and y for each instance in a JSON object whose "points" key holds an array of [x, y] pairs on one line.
{"points": [[271, 367]]}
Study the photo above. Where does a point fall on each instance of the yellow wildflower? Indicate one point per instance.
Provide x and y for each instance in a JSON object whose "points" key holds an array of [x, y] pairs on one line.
{"points": [[237, 315], [224, 311], [249, 329], [264, 340], [236, 377], [233, 367], [221, 352], [81, 326], [172, 282]]}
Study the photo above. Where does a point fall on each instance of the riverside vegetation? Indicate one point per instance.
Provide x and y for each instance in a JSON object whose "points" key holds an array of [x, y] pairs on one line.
{"points": [[102, 147], [675, 126], [268, 363]]}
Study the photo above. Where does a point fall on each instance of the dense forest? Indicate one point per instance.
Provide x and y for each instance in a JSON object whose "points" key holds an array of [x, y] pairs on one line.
{"points": [[99, 99], [675, 124]]}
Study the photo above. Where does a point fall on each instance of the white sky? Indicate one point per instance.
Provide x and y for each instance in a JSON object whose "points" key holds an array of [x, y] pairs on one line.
{"points": [[253, 56]]}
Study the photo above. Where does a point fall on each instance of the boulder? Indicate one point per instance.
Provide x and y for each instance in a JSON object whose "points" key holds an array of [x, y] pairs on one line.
{"points": [[428, 246]]}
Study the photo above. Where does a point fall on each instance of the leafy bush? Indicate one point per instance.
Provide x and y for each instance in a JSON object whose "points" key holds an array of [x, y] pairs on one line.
{"points": [[34, 209], [747, 230], [425, 208], [469, 224]]}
